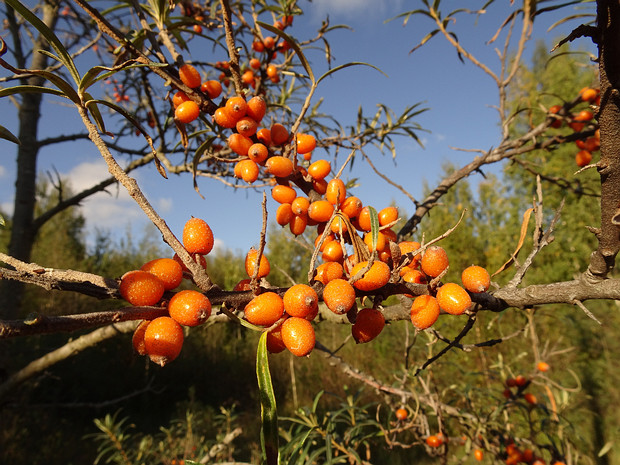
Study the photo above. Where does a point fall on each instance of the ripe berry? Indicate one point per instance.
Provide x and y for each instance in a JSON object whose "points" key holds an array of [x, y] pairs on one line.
{"points": [[283, 194], [189, 308], [328, 272], [542, 366], [319, 185], [584, 115], [137, 339], [248, 77], [300, 300], [272, 71], [332, 252], [247, 170], [167, 269], [388, 215], [320, 211], [306, 143], [336, 191], [380, 244], [190, 76], [298, 336], [187, 112], [197, 236], [141, 288], [246, 126], [363, 219], [339, 296], [453, 299], [476, 279], [583, 158], [237, 106], [300, 205], [239, 144], [258, 153], [352, 206], [434, 441], [264, 309], [250, 263], [401, 414], [588, 94], [275, 344], [279, 166], [530, 398], [434, 261], [478, 455], [319, 169], [284, 214], [279, 134], [298, 224], [368, 325], [424, 311], [256, 108], [212, 88], [269, 42], [377, 276], [224, 118], [163, 340], [179, 98], [264, 135]]}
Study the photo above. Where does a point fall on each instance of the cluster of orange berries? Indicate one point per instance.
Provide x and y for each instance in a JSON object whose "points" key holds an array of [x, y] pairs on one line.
{"points": [[515, 455], [578, 121], [162, 338]]}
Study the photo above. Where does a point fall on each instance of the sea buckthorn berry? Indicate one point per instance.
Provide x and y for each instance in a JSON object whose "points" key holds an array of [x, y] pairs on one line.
{"points": [[352, 206], [163, 340], [255, 63], [377, 276], [434, 441], [283, 194], [248, 77], [388, 215], [279, 166], [256, 108], [381, 242], [212, 88], [239, 144], [530, 398], [592, 144], [338, 225], [247, 170], [583, 158], [319, 169], [542, 366], [507, 393], [511, 382], [298, 224], [328, 272], [319, 185], [414, 276], [584, 115], [363, 219], [300, 205], [453, 299], [332, 252], [189, 308], [179, 98], [137, 340], [368, 325], [401, 414], [224, 118], [576, 126], [476, 279], [190, 76], [434, 261], [528, 455], [250, 263], [264, 309], [246, 126], [554, 110], [336, 191], [141, 288], [284, 214], [330, 237], [258, 153], [298, 336], [424, 311], [521, 380], [187, 112], [300, 300], [279, 134], [272, 71], [479, 455], [167, 269], [320, 211], [339, 296], [197, 236], [264, 136], [306, 143], [258, 45], [243, 285], [269, 42], [588, 94], [275, 344], [237, 106]]}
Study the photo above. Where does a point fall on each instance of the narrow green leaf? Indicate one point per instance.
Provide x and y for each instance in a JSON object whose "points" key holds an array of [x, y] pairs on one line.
{"points": [[374, 227], [63, 54], [269, 414], [94, 111], [8, 135], [302, 58], [2, 223], [30, 90], [346, 65], [199, 151], [606, 448]]}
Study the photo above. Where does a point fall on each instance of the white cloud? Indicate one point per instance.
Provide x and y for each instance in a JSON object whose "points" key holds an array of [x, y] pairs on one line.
{"points": [[164, 205], [218, 244], [2, 171]]}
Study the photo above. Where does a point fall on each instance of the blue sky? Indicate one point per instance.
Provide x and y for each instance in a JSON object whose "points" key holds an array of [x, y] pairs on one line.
{"points": [[458, 95]]}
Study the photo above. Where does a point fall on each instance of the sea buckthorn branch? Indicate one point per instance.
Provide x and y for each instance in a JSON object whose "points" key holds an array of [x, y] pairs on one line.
{"points": [[233, 53]]}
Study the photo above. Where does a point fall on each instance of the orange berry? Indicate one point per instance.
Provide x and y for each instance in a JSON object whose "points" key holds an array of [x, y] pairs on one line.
{"points": [[407, 247], [369, 323], [530, 398], [137, 339], [255, 63], [592, 144], [269, 42], [320, 211], [141, 288], [377, 276], [279, 166], [339, 296], [298, 224], [319, 169], [332, 252], [272, 71], [168, 270], [336, 191], [584, 116], [476, 279], [256, 108], [189, 308], [381, 242], [583, 158], [453, 299], [248, 77], [328, 272], [275, 344], [319, 185], [190, 76], [363, 219], [507, 393], [424, 311], [542, 366], [179, 98], [247, 170], [243, 285], [306, 143], [434, 261], [352, 206], [401, 414], [246, 126], [298, 336], [300, 300], [258, 45], [520, 380], [284, 214], [338, 225], [478, 455], [197, 236], [279, 134], [212, 88], [224, 118], [300, 205], [414, 276], [187, 112], [264, 136], [163, 340], [576, 126], [434, 441], [258, 153], [239, 144], [237, 106], [511, 382], [250, 263], [283, 194], [588, 94], [264, 309], [388, 215]]}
